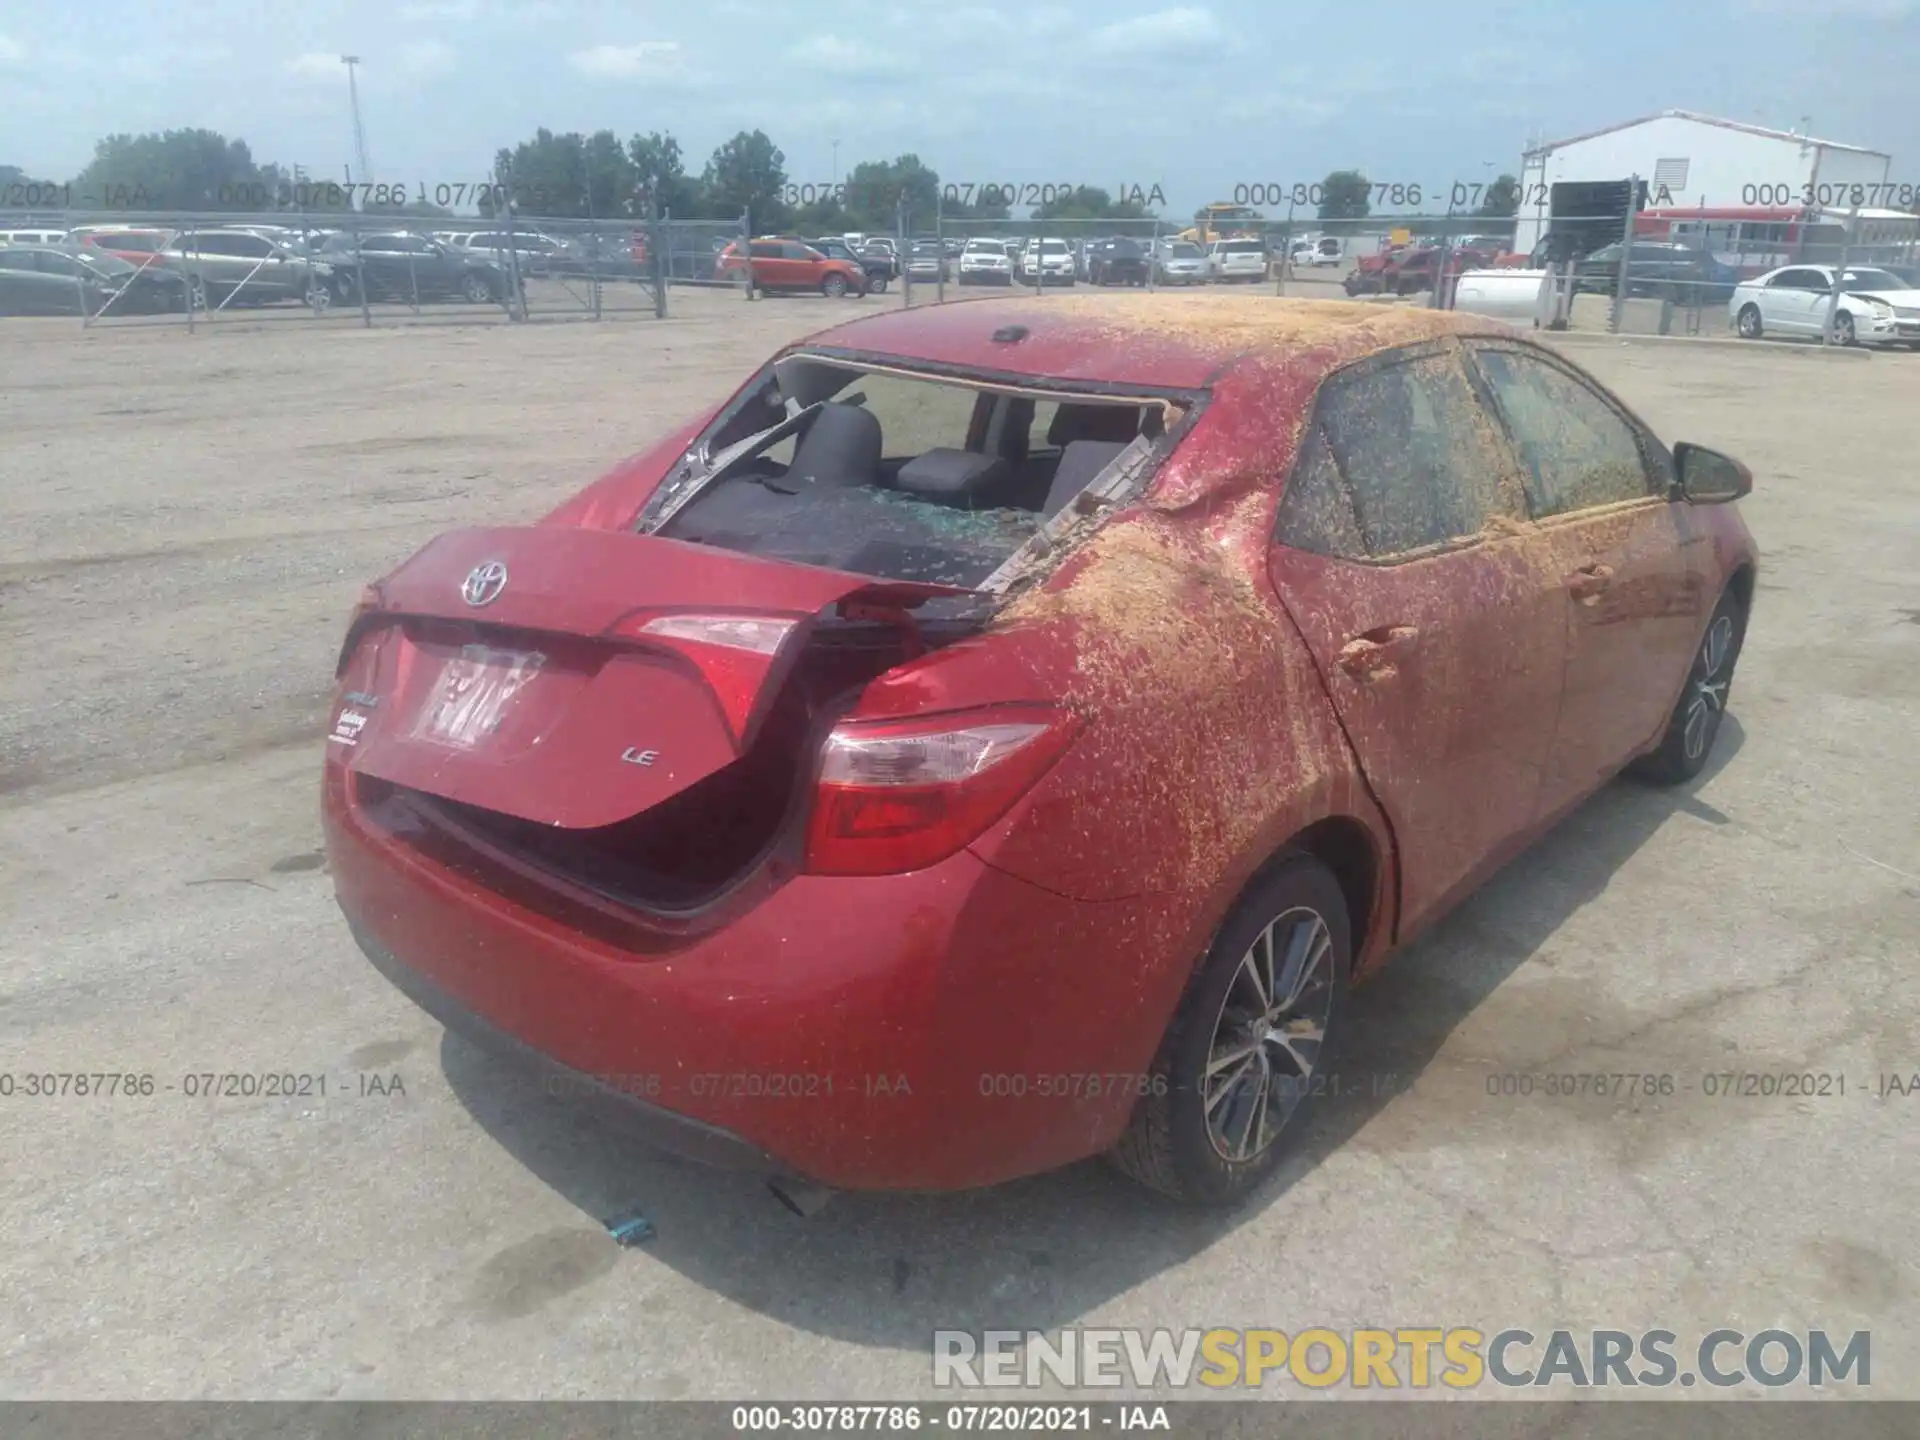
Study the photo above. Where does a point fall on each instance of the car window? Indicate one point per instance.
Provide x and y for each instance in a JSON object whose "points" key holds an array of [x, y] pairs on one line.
{"points": [[916, 415], [1800, 280], [792, 251], [765, 250], [250, 247], [1575, 449], [1874, 279], [1420, 457], [1316, 511], [15, 260]]}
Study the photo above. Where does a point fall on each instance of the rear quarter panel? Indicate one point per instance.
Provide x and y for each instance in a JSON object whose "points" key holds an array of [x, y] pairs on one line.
{"points": [[1209, 737]]}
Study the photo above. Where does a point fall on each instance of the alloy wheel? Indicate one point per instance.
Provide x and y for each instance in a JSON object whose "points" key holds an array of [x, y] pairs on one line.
{"points": [[1708, 699], [1268, 1034]]}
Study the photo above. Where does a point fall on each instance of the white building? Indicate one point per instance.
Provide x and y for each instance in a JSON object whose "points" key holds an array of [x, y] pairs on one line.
{"points": [[1697, 161]]}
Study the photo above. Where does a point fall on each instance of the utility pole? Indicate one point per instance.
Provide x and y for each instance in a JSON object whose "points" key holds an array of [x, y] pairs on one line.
{"points": [[836, 164], [359, 131]]}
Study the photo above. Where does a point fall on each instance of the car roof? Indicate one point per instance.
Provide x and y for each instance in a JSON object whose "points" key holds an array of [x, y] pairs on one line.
{"points": [[1165, 341]]}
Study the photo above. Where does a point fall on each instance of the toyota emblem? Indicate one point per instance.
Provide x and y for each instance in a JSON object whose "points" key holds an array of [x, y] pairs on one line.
{"points": [[484, 583]]}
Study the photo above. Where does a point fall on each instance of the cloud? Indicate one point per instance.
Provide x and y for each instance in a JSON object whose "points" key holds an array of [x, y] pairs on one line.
{"points": [[11, 51], [316, 65], [625, 62], [847, 58], [440, 10], [425, 59], [661, 64], [1163, 32]]}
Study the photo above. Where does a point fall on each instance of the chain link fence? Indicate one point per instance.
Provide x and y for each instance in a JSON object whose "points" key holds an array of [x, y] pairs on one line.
{"points": [[196, 269], [1617, 267]]}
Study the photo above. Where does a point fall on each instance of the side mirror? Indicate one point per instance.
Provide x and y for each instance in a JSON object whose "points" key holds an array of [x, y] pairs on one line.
{"points": [[1706, 477]]}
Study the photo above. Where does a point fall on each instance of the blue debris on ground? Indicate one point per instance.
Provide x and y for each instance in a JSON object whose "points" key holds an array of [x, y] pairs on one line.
{"points": [[630, 1229]]}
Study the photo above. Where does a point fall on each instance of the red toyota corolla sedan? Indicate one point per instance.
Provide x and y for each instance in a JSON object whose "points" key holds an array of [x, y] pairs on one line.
{"points": [[1000, 732]]}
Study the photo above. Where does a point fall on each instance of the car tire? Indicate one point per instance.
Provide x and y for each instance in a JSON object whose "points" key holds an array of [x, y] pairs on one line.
{"points": [[1747, 323], [1695, 722], [1174, 1142], [1843, 334], [834, 287], [477, 288], [343, 289], [196, 292]]}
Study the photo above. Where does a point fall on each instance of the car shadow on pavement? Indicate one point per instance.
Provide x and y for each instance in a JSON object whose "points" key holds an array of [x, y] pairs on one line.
{"points": [[1038, 1253]]}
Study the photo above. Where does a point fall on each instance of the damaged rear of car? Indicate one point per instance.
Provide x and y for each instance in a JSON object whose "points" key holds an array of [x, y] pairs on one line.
{"points": [[695, 797]]}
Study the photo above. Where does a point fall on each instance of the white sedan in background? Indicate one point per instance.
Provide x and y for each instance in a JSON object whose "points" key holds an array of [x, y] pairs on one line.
{"points": [[1875, 306]]}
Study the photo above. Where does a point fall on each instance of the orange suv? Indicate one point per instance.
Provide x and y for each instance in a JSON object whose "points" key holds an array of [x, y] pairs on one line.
{"points": [[781, 264]]}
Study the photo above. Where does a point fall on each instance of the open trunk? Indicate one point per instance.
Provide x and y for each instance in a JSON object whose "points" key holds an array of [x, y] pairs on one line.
{"points": [[626, 713], [639, 712]]}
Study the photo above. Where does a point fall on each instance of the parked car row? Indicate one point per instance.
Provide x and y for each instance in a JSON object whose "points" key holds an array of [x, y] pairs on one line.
{"points": [[123, 268], [1115, 260]]}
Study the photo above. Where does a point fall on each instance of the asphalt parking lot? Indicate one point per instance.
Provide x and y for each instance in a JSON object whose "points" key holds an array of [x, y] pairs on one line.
{"points": [[185, 524]]}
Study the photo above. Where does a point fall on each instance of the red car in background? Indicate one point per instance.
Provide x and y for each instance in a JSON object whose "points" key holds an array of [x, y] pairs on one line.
{"points": [[1411, 269], [136, 246], [780, 264], [1001, 732]]}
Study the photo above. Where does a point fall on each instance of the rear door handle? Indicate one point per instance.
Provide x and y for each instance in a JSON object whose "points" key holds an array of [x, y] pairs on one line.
{"points": [[1587, 583], [1375, 654]]}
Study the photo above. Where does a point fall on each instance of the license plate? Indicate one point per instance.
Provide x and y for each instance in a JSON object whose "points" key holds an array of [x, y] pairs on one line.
{"points": [[470, 698]]}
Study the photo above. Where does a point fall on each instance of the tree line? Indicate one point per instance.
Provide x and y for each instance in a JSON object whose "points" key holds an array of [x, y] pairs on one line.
{"points": [[600, 176]]}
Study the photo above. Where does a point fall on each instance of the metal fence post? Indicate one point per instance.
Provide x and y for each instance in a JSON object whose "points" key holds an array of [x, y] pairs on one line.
{"points": [[746, 249], [359, 274], [516, 283], [655, 255], [939, 244], [1286, 251], [1839, 271], [900, 254], [1626, 258], [189, 298]]}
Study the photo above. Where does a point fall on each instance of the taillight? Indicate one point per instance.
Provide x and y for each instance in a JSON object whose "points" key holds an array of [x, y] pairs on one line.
{"points": [[732, 652], [899, 795]]}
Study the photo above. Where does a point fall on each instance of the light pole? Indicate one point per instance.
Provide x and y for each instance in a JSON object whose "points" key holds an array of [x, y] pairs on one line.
{"points": [[836, 164], [359, 131]]}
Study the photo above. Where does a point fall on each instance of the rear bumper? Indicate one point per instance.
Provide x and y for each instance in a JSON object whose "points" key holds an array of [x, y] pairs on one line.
{"points": [[948, 1028], [659, 1127]]}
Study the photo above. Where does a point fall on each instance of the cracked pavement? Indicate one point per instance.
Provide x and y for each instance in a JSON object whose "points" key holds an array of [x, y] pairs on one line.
{"points": [[188, 525]]}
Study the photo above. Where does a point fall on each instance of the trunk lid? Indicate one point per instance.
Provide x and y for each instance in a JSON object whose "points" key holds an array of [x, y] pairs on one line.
{"points": [[514, 669]]}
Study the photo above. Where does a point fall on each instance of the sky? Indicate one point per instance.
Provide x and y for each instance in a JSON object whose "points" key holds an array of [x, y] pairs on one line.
{"points": [[1197, 98]]}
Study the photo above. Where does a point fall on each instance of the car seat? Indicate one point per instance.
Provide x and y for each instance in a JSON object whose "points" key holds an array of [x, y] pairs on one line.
{"points": [[840, 447]]}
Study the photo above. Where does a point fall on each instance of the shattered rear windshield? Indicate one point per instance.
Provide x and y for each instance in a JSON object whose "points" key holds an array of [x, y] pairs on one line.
{"points": [[897, 476]]}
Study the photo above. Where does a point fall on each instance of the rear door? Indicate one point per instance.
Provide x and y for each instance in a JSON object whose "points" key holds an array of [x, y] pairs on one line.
{"points": [[1441, 635], [250, 264], [1632, 563], [576, 677], [770, 267]]}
